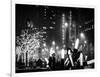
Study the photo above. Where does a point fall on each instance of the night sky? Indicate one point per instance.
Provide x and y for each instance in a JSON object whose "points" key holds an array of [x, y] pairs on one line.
{"points": [[51, 16]]}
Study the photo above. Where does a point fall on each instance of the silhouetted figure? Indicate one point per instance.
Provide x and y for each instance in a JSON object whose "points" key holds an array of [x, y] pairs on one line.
{"points": [[39, 63], [52, 62]]}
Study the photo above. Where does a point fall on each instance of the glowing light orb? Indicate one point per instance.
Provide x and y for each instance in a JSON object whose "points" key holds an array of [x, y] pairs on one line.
{"points": [[66, 24]]}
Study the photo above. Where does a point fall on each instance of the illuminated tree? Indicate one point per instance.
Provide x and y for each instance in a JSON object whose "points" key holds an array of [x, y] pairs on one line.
{"points": [[28, 43]]}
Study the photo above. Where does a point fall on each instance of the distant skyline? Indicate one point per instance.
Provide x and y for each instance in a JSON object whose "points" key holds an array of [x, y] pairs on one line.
{"points": [[51, 16]]}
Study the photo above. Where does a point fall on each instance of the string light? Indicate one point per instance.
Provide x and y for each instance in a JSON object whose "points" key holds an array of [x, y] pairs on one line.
{"points": [[51, 27]]}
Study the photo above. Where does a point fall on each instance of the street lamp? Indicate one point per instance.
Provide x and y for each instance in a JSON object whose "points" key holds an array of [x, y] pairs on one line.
{"points": [[82, 36], [57, 47], [62, 53], [76, 43], [53, 42], [85, 41]]}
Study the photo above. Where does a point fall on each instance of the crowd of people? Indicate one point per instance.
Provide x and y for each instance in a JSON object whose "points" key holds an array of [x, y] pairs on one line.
{"points": [[74, 59]]}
